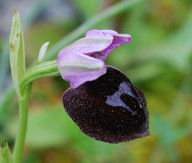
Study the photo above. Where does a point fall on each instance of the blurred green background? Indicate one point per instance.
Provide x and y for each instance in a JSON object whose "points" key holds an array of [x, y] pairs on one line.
{"points": [[158, 61]]}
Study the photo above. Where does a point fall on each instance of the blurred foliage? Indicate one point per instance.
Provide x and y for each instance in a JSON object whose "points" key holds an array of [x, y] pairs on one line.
{"points": [[158, 61], [5, 154], [88, 8]]}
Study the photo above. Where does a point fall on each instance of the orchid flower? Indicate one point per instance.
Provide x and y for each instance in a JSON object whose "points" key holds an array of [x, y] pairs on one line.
{"points": [[102, 101], [83, 60]]}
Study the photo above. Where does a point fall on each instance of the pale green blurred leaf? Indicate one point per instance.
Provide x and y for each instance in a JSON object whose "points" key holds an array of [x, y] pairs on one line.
{"points": [[5, 154], [88, 8], [144, 71], [174, 49], [168, 134]]}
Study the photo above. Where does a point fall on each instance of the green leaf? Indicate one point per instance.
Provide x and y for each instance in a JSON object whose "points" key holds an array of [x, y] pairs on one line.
{"points": [[174, 49], [17, 54], [5, 154]]}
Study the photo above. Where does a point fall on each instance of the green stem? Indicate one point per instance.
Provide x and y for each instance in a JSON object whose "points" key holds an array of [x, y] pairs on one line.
{"points": [[45, 69], [23, 115]]}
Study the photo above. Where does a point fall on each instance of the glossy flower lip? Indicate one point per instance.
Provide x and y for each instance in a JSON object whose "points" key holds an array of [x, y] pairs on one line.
{"points": [[83, 60], [110, 109]]}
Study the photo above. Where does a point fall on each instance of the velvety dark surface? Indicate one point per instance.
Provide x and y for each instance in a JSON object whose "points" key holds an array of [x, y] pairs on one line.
{"points": [[109, 109]]}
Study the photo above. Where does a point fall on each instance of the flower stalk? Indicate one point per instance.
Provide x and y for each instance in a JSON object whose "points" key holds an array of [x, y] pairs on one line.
{"points": [[23, 119], [17, 64]]}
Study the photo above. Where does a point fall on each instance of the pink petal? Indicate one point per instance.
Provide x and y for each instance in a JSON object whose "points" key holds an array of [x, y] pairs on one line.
{"points": [[79, 68], [118, 39], [89, 45], [100, 33]]}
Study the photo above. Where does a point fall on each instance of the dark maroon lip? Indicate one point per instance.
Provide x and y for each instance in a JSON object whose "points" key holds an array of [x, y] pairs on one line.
{"points": [[108, 109]]}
